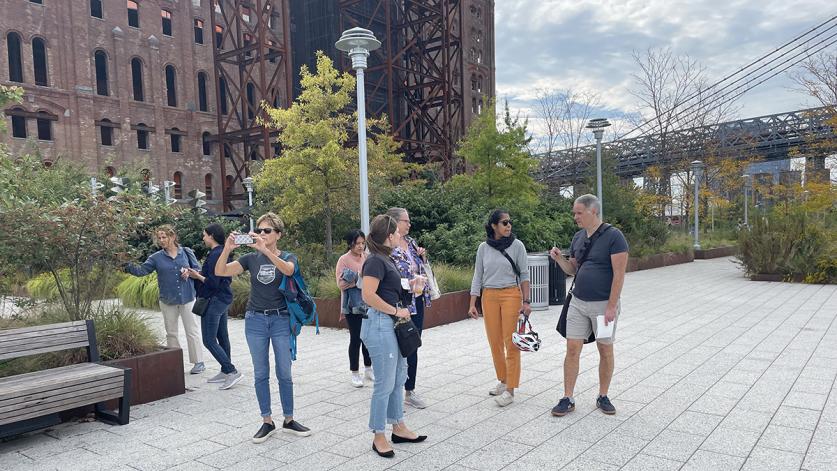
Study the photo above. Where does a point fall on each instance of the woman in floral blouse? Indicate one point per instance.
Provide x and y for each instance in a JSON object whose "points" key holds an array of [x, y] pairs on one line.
{"points": [[410, 259]]}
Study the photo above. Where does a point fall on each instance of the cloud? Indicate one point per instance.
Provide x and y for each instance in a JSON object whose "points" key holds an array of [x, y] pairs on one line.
{"points": [[588, 45]]}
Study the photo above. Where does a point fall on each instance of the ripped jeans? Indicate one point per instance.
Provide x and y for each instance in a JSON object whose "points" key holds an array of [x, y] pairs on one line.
{"points": [[390, 368]]}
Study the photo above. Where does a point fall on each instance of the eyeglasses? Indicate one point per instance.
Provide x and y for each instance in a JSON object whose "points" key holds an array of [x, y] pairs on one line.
{"points": [[506, 222], [266, 230]]}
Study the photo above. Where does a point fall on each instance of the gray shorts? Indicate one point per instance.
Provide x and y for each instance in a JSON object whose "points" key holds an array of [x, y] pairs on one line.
{"points": [[581, 319]]}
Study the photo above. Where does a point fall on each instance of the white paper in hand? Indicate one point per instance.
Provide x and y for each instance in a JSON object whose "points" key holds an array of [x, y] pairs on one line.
{"points": [[602, 331]]}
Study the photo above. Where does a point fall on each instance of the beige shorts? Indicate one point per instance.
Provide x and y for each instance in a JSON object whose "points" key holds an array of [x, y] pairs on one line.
{"points": [[581, 319]]}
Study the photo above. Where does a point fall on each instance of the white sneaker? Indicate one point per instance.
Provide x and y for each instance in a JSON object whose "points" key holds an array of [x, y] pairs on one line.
{"points": [[504, 399], [414, 400], [232, 379], [368, 374], [357, 380], [498, 390], [219, 378]]}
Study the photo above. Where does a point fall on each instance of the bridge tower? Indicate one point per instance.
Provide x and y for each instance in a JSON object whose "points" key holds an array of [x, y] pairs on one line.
{"points": [[251, 65]]}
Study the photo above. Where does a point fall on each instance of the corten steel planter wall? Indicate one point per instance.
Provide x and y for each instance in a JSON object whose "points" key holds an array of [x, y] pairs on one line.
{"points": [[717, 252], [450, 307], [156, 375], [659, 260]]}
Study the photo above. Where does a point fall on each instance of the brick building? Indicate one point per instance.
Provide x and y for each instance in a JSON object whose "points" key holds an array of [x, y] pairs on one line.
{"points": [[129, 84]]}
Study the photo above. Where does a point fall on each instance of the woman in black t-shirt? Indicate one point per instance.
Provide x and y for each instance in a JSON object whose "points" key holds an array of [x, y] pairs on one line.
{"points": [[382, 292]]}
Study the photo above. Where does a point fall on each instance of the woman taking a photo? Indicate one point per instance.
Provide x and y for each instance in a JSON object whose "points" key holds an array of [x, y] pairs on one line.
{"points": [[501, 277], [382, 291], [352, 307], [409, 259], [267, 319], [177, 292], [217, 290]]}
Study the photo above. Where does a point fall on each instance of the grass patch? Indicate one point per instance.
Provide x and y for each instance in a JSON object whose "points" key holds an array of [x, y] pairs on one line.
{"points": [[140, 292], [452, 277]]}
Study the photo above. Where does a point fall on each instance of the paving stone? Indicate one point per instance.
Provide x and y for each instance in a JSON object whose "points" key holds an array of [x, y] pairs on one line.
{"points": [[795, 417], [768, 459], [805, 400], [615, 449], [821, 456], [643, 462], [730, 441], [786, 439], [746, 420], [696, 423], [677, 446], [704, 460]]}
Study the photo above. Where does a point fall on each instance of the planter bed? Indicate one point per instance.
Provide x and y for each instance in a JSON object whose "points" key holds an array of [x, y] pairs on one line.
{"points": [[450, 307], [659, 260], [717, 252]]}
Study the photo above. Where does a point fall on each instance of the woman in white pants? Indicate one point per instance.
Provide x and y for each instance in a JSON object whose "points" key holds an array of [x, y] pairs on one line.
{"points": [[177, 291]]}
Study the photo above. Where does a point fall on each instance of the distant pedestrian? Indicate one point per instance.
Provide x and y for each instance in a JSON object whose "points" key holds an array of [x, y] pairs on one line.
{"points": [[217, 290], [352, 307], [501, 278], [267, 319], [177, 292], [598, 258], [385, 296], [409, 258]]}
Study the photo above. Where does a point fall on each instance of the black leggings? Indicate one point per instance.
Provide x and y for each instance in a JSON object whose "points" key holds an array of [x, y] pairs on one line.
{"points": [[355, 344]]}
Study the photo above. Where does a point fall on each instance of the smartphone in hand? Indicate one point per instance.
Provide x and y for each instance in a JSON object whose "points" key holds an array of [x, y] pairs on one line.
{"points": [[243, 239]]}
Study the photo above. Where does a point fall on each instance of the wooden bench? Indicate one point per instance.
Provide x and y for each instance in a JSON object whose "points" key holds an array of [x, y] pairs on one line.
{"points": [[33, 400]]}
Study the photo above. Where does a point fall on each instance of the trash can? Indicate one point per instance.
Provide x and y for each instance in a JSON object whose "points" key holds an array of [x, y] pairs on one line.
{"points": [[557, 284], [539, 281]]}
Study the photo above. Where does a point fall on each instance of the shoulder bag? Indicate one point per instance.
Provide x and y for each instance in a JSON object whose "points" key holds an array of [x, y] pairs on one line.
{"points": [[562, 321]]}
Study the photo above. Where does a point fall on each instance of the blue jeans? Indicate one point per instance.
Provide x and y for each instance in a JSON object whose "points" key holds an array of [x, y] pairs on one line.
{"points": [[412, 360], [260, 331], [390, 368], [214, 333]]}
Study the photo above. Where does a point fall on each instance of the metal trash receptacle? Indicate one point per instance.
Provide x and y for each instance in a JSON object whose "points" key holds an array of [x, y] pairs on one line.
{"points": [[539, 281], [557, 284]]}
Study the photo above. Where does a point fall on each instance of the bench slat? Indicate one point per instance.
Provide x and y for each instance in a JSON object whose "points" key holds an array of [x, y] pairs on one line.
{"points": [[42, 399], [26, 332], [68, 375], [22, 344], [36, 351], [88, 400]]}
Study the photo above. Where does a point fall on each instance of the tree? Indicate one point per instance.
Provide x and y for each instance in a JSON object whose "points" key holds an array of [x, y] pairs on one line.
{"points": [[317, 174], [501, 161], [817, 77]]}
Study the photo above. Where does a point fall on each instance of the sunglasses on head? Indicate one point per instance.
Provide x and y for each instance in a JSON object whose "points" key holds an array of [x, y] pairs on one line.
{"points": [[266, 230], [506, 222]]}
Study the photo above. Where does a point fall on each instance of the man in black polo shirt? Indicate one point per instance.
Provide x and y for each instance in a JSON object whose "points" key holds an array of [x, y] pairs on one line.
{"points": [[598, 285]]}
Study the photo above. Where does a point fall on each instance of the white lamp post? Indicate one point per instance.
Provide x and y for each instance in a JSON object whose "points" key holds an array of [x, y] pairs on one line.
{"points": [[746, 199], [358, 42], [598, 125], [248, 185], [697, 168]]}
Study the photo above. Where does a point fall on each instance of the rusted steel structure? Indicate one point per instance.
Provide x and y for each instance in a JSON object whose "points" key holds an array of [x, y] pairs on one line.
{"points": [[252, 64], [416, 77]]}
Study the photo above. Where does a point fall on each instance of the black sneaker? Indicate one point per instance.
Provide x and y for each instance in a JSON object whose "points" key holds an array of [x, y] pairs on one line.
{"points": [[564, 407], [264, 433], [296, 428], [604, 404]]}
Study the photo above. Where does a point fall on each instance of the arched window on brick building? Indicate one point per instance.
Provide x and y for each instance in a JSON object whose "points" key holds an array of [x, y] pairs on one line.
{"points": [[15, 58], [178, 185], [207, 184], [100, 59], [39, 62]]}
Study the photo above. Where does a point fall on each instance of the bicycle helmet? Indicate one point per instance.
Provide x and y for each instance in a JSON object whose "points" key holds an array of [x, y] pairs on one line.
{"points": [[524, 338]]}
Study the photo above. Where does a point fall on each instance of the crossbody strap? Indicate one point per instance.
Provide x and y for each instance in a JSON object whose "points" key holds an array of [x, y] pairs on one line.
{"points": [[514, 265], [601, 230]]}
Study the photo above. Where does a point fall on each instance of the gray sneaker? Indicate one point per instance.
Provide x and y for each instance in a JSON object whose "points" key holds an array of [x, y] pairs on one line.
{"points": [[219, 378], [232, 379], [198, 369], [412, 399]]}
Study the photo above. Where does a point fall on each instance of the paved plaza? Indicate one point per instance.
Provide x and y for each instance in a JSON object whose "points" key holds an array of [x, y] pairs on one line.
{"points": [[713, 372]]}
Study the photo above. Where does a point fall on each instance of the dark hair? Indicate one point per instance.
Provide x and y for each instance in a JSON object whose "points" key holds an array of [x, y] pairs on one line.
{"points": [[381, 228], [493, 218], [352, 236], [217, 232]]}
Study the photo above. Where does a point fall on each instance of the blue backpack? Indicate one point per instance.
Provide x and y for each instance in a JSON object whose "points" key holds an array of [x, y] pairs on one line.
{"points": [[301, 305]]}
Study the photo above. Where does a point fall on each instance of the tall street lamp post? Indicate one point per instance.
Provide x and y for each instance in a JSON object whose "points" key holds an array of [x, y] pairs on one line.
{"points": [[746, 199], [248, 185], [358, 42], [697, 168], [598, 125]]}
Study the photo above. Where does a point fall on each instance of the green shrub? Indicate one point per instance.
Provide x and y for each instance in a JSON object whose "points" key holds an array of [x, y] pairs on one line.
{"points": [[452, 278], [44, 287], [324, 287], [241, 293], [139, 292], [783, 242]]}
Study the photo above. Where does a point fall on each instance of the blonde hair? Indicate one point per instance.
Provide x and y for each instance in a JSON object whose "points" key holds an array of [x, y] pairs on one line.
{"points": [[274, 221], [166, 229]]}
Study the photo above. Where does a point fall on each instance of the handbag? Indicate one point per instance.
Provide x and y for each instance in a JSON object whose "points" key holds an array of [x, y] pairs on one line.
{"points": [[407, 335], [562, 320], [432, 284], [199, 308]]}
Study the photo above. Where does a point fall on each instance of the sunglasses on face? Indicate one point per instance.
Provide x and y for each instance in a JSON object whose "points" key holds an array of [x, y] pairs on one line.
{"points": [[506, 222], [266, 230]]}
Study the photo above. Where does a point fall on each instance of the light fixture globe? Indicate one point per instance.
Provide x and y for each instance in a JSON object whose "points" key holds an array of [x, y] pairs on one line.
{"points": [[598, 123], [357, 42]]}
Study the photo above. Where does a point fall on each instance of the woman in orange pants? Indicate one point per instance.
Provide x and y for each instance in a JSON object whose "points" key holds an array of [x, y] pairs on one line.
{"points": [[501, 277]]}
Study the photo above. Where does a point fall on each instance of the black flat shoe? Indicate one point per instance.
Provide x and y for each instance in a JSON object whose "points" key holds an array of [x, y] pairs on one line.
{"points": [[397, 439], [385, 454]]}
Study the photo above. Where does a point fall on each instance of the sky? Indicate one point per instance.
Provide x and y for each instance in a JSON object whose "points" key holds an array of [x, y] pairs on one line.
{"points": [[588, 45]]}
